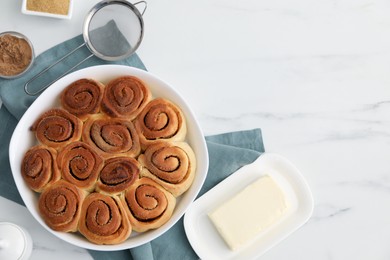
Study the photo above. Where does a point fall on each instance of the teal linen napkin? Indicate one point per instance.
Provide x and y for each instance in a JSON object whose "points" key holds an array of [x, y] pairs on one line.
{"points": [[227, 152]]}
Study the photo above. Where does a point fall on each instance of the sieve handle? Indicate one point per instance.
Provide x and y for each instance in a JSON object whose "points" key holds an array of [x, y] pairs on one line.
{"points": [[145, 5], [51, 66]]}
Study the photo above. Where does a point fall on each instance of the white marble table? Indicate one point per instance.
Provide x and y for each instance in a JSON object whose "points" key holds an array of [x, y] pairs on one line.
{"points": [[313, 75]]}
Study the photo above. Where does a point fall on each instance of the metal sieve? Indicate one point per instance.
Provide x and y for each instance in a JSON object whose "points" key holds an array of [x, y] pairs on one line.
{"points": [[112, 31]]}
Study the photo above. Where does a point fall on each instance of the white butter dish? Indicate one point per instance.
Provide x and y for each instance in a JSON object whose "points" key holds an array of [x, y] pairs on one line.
{"points": [[48, 14], [204, 237]]}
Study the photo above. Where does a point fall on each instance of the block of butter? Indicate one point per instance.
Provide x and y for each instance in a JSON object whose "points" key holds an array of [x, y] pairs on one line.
{"points": [[240, 219]]}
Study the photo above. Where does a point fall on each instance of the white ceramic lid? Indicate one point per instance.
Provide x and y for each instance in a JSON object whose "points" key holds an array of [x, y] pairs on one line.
{"points": [[13, 241]]}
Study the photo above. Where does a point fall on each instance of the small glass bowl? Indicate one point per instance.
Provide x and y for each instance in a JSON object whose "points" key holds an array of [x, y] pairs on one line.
{"points": [[15, 242], [19, 35]]}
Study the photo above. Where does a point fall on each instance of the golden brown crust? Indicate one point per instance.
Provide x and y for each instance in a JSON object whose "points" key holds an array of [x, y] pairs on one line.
{"points": [[110, 136], [82, 97], [39, 167], [60, 206], [118, 143], [160, 120], [125, 97], [103, 220], [57, 127], [117, 175], [171, 164], [80, 165], [148, 204]]}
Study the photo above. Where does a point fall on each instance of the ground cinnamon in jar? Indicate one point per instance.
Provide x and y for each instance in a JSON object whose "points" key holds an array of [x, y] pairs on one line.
{"points": [[15, 55], [54, 7]]}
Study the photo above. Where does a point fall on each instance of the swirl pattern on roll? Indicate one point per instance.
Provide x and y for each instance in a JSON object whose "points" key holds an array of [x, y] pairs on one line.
{"points": [[148, 204], [125, 97], [103, 220], [82, 97], [80, 165], [60, 206], [118, 174], [39, 167], [111, 136], [171, 164], [57, 127], [160, 120], [112, 157]]}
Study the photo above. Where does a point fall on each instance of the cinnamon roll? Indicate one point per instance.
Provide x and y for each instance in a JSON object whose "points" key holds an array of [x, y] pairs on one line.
{"points": [[103, 220], [171, 164], [117, 175], [82, 97], [125, 97], [160, 120], [80, 165], [57, 127], [148, 205], [39, 167], [111, 136], [60, 206]]}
